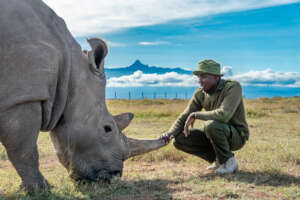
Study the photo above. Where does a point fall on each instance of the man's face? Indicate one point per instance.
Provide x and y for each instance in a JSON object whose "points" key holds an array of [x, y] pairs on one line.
{"points": [[208, 81]]}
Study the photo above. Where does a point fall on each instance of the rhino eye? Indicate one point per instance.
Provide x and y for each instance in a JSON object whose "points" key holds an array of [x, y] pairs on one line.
{"points": [[107, 128]]}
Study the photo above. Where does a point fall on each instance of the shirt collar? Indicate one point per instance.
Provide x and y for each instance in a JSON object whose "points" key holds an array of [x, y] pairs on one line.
{"points": [[221, 85]]}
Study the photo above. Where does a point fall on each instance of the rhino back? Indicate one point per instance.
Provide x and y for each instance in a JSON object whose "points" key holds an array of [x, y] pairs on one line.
{"points": [[38, 55]]}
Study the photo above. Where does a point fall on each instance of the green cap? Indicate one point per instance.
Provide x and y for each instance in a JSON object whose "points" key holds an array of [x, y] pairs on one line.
{"points": [[208, 67]]}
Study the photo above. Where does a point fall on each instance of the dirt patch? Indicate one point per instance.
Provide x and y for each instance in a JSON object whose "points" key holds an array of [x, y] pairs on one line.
{"points": [[258, 195]]}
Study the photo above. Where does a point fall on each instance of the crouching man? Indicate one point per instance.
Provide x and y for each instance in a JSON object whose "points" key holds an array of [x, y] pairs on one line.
{"points": [[225, 129]]}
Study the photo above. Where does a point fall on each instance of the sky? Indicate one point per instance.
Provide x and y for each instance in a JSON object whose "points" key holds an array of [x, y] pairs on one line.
{"points": [[257, 42]]}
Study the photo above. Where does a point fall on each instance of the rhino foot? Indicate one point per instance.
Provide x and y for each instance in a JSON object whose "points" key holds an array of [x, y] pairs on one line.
{"points": [[33, 188]]}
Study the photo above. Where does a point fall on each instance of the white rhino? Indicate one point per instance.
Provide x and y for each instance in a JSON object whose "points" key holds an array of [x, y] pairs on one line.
{"points": [[48, 84]]}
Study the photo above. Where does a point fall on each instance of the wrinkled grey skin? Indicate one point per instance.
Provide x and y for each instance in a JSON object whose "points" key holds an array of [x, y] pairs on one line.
{"points": [[48, 84]]}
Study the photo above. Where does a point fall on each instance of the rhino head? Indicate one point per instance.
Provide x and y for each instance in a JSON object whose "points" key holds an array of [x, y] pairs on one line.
{"points": [[88, 140]]}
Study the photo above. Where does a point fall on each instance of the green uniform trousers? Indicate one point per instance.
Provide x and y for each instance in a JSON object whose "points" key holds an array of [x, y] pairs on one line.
{"points": [[215, 141]]}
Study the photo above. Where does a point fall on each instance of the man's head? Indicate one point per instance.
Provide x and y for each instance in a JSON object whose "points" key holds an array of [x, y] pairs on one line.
{"points": [[208, 73]]}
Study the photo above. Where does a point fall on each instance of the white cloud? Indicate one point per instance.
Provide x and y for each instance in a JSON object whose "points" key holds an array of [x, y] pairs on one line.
{"points": [[254, 78], [99, 16], [269, 78], [227, 71], [153, 43], [139, 79], [115, 44]]}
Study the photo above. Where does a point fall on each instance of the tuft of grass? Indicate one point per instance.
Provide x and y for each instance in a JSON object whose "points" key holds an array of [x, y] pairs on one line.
{"points": [[290, 110], [168, 153], [291, 156], [151, 114], [250, 113], [3, 154]]}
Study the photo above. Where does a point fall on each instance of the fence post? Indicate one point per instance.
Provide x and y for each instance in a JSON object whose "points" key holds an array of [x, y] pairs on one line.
{"points": [[115, 95], [129, 96], [142, 95]]}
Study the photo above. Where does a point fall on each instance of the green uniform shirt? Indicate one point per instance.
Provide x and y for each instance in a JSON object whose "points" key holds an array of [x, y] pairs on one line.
{"points": [[225, 105]]}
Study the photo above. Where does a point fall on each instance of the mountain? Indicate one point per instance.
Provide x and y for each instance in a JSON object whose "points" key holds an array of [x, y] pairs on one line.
{"points": [[146, 69]]}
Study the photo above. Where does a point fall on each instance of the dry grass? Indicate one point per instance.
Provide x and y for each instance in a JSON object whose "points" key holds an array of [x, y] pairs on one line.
{"points": [[269, 163]]}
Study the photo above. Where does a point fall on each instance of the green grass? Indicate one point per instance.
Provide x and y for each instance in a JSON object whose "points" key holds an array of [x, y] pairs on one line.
{"points": [[269, 164], [3, 155], [250, 113]]}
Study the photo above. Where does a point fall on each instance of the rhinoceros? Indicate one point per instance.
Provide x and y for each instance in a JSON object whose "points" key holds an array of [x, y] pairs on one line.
{"points": [[48, 84]]}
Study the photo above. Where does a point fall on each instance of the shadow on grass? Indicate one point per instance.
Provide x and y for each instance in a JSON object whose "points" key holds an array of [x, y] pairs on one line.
{"points": [[273, 178], [125, 190], [38, 196], [117, 190]]}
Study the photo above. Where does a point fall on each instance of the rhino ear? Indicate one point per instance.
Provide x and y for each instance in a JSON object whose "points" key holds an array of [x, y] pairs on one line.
{"points": [[123, 120], [98, 53]]}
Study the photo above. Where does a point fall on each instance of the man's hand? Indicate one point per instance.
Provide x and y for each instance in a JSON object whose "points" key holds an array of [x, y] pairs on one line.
{"points": [[166, 138], [189, 122]]}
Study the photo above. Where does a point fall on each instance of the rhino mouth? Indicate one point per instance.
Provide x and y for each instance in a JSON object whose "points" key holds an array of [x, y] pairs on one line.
{"points": [[100, 175]]}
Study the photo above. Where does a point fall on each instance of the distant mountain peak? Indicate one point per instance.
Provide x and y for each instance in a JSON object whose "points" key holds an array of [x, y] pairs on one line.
{"points": [[146, 69], [138, 64]]}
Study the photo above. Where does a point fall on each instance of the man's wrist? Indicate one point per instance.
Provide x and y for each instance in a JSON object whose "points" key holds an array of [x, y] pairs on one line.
{"points": [[193, 114]]}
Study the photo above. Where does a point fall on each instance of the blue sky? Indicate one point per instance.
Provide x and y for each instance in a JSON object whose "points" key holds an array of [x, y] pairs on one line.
{"points": [[261, 38], [254, 39]]}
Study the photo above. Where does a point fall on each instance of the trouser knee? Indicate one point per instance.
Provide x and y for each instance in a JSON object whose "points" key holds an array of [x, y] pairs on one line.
{"points": [[212, 127], [179, 141], [178, 145]]}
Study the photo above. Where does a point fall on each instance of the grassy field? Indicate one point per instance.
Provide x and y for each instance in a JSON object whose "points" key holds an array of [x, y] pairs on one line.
{"points": [[269, 164]]}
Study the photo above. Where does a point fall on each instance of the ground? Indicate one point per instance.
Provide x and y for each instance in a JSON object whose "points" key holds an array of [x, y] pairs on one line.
{"points": [[269, 164]]}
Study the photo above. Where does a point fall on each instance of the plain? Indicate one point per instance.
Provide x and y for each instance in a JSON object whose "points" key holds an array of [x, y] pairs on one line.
{"points": [[269, 164]]}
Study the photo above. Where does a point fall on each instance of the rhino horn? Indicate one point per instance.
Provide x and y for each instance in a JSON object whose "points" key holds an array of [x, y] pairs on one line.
{"points": [[98, 53], [138, 147], [123, 120]]}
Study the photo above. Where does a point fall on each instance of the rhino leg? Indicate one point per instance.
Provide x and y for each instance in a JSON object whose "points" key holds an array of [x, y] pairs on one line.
{"points": [[19, 129]]}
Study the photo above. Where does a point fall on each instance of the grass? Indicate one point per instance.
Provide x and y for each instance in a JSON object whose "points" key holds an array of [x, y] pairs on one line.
{"points": [[269, 164], [250, 113]]}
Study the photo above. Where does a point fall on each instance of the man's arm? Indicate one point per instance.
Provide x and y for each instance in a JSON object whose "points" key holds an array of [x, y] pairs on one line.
{"points": [[228, 107], [193, 106]]}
